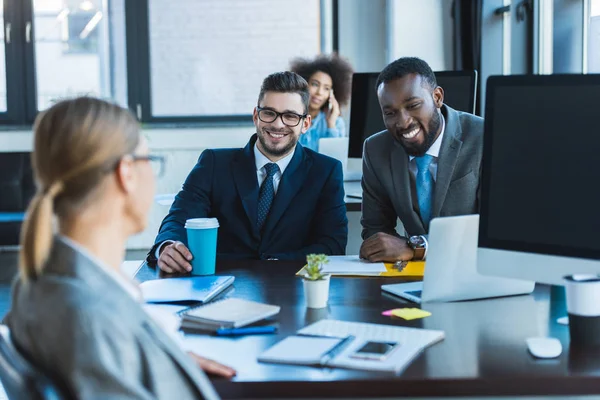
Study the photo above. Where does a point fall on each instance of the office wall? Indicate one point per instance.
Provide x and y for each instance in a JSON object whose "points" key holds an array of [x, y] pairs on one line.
{"points": [[181, 148], [594, 45], [568, 36], [492, 45], [376, 32], [424, 29], [363, 33]]}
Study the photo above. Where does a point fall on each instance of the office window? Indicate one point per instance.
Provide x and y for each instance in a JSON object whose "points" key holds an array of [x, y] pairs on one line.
{"points": [[2, 61], [71, 48], [593, 43], [209, 57]]}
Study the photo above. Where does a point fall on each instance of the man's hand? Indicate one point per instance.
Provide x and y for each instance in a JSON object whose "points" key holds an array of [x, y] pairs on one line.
{"points": [[384, 247], [174, 258], [212, 367]]}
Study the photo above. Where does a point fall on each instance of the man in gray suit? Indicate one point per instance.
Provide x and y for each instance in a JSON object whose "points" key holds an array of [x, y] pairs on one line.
{"points": [[426, 164]]}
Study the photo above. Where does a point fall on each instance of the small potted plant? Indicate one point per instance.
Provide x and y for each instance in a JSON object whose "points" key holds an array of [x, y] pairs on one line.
{"points": [[316, 283]]}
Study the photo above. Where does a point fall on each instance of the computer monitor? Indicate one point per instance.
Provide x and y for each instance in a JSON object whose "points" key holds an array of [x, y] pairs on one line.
{"points": [[540, 198], [365, 114]]}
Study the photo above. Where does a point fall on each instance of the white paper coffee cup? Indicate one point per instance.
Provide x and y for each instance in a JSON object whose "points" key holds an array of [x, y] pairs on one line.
{"points": [[583, 307]]}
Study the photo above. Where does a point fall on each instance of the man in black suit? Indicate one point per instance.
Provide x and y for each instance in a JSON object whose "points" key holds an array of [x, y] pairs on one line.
{"points": [[274, 199]]}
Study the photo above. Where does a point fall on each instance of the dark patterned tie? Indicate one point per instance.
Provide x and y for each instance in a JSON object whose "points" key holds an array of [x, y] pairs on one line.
{"points": [[266, 194]]}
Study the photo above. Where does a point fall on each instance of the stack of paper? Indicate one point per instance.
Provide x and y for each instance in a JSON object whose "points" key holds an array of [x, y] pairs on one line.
{"points": [[130, 268], [352, 265], [355, 266], [227, 313]]}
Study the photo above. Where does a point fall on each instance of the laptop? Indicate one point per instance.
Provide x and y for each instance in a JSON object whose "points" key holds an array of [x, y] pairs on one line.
{"points": [[451, 268], [335, 148]]}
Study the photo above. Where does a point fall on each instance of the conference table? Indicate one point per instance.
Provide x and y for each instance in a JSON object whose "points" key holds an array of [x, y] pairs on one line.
{"points": [[483, 353]]}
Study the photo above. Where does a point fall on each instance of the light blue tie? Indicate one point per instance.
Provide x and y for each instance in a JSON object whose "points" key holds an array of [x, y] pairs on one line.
{"points": [[424, 187], [266, 194]]}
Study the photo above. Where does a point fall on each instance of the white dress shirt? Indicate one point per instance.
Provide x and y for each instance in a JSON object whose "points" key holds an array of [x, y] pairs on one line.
{"points": [[262, 160]]}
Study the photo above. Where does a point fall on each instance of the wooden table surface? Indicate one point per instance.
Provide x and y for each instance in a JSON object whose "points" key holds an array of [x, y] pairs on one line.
{"points": [[484, 352]]}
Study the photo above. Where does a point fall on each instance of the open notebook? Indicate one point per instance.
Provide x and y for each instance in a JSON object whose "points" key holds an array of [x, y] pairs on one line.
{"points": [[227, 313], [334, 343]]}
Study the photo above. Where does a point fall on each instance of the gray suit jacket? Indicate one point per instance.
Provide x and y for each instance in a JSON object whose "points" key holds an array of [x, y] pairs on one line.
{"points": [[81, 326], [386, 180]]}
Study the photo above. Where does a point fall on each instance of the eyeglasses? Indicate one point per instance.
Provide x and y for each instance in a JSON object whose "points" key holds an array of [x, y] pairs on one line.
{"points": [[156, 162], [288, 118]]}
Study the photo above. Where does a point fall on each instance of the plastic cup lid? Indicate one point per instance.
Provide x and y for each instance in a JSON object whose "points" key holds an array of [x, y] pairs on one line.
{"points": [[582, 278], [202, 223]]}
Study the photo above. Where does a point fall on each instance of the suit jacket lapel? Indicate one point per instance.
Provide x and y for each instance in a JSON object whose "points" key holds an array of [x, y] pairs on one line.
{"points": [[449, 152], [244, 174], [291, 181], [401, 179]]}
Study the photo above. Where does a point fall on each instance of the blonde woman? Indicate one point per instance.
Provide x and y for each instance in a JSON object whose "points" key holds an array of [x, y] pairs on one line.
{"points": [[73, 314]]}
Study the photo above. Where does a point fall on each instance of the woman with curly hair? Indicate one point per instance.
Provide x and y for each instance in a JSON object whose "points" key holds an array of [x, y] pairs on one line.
{"points": [[326, 75]]}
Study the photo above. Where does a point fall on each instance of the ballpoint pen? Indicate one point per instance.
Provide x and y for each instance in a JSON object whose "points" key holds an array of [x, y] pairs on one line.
{"points": [[335, 350], [400, 265], [250, 330]]}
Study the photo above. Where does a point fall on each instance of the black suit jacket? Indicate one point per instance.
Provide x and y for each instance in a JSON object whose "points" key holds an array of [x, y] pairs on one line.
{"points": [[308, 214]]}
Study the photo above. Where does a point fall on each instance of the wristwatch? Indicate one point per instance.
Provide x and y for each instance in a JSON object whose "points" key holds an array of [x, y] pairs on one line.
{"points": [[419, 245]]}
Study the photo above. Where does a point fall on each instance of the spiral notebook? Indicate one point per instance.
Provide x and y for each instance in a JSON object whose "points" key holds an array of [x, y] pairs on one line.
{"points": [[227, 313]]}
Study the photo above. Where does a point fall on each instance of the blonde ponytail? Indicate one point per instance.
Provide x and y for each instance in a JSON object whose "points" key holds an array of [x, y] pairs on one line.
{"points": [[76, 143], [37, 232]]}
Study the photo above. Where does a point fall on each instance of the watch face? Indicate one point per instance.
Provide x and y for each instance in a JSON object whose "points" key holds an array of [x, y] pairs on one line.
{"points": [[416, 241]]}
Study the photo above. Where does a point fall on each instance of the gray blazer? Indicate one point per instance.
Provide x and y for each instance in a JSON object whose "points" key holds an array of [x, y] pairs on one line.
{"points": [[386, 180], [79, 324]]}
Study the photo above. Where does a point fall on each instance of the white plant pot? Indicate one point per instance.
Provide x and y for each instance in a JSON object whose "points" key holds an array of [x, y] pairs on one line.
{"points": [[316, 293]]}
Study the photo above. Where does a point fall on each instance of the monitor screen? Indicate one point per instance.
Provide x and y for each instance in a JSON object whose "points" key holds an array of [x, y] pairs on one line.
{"points": [[540, 177], [366, 118]]}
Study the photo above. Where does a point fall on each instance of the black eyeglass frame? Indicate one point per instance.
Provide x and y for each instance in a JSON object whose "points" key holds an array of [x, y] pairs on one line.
{"points": [[280, 115]]}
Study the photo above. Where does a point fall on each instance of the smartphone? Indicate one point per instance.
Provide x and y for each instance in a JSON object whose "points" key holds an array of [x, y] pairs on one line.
{"points": [[329, 105], [375, 350]]}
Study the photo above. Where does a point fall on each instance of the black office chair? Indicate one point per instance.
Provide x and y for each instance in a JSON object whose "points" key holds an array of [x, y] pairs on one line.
{"points": [[17, 187], [20, 379]]}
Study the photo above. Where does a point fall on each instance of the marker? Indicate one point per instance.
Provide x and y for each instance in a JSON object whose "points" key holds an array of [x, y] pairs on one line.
{"points": [[251, 330]]}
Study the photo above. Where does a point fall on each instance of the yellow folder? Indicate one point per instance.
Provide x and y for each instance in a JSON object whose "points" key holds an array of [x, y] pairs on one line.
{"points": [[412, 268]]}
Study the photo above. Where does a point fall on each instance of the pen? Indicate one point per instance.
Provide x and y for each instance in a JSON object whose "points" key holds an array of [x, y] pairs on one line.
{"points": [[400, 265], [335, 350], [251, 330]]}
